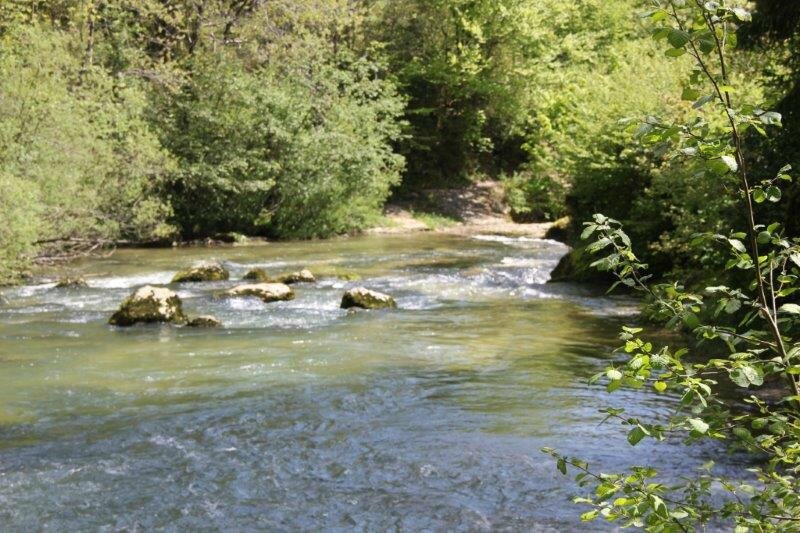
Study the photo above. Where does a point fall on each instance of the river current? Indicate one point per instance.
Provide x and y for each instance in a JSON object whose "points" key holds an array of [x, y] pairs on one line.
{"points": [[300, 416]]}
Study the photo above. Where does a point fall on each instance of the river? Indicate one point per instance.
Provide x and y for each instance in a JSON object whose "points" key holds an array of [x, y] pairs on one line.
{"points": [[300, 416]]}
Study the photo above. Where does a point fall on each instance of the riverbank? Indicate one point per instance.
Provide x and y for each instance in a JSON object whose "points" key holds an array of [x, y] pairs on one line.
{"points": [[478, 208]]}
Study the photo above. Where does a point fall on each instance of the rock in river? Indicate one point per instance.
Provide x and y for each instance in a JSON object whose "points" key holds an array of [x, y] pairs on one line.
{"points": [[202, 271], [303, 276], [258, 274], [366, 299], [205, 321], [149, 304], [69, 282], [268, 292]]}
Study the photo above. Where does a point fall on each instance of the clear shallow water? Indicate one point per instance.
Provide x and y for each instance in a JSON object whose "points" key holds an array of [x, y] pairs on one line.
{"points": [[298, 415]]}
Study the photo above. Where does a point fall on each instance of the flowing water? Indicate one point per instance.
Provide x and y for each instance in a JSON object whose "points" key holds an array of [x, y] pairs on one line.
{"points": [[300, 416]]}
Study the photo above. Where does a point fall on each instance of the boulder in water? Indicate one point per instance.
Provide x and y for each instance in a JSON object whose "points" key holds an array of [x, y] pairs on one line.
{"points": [[69, 282], [559, 230], [302, 276], [258, 274], [149, 304], [205, 321], [202, 271], [367, 299], [268, 292]]}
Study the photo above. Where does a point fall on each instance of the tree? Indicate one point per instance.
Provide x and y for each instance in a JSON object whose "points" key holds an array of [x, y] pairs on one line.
{"points": [[756, 321]]}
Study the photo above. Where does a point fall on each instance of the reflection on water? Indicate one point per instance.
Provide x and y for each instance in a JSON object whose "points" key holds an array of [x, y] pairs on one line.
{"points": [[298, 415]]}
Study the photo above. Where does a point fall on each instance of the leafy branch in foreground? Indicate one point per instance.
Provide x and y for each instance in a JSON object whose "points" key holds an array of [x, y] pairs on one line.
{"points": [[756, 323]]}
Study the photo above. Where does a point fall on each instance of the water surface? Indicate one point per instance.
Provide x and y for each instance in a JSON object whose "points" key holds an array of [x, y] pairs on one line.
{"points": [[298, 415]]}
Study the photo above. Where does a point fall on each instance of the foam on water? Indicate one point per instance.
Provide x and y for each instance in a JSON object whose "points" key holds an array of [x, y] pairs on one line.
{"points": [[129, 282]]}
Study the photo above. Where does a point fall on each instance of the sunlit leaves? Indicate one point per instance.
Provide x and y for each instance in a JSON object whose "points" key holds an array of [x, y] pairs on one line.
{"points": [[790, 309], [698, 425], [747, 375], [746, 331]]}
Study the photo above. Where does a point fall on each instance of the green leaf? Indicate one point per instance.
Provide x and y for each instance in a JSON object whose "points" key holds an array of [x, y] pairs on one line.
{"points": [[790, 309], [691, 320], [759, 195], [737, 245], [589, 516], [703, 101], [561, 464], [675, 52], [732, 306], [690, 94], [742, 14], [707, 45], [678, 38], [770, 118], [773, 194], [698, 425], [660, 386], [730, 162], [747, 375], [636, 435]]}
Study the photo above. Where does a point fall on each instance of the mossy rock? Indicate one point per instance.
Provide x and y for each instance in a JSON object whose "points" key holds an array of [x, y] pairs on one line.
{"points": [[367, 299], [147, 305], [267, 292], [204, 321], [559, 230], [202, 271], [258, 274], [302, 276], [69, 282]]}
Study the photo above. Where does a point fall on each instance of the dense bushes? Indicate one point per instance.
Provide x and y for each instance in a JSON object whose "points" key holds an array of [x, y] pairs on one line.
{"points": [[77, 159], [146, 119], [140, 120], [298, 147]]}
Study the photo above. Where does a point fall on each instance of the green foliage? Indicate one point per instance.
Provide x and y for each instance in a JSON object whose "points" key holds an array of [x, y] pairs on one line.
{"points": [[434, 221], [463, 65], [295, 146], [77, 159], [534, 198], [752, 329]]}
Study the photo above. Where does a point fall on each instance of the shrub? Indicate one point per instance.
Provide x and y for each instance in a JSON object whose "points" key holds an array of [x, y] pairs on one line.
{"points": [[300, 147], [77, 159]]}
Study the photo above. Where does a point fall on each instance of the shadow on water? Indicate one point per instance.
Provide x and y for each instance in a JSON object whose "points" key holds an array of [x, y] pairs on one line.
{"points": [[297, 415]]}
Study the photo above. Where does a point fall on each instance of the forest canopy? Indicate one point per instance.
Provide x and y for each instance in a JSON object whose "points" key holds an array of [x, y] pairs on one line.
{"points": [[156, 120]]}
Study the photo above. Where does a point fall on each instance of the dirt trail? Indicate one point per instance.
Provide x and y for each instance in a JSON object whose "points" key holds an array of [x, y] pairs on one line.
{"points": [[479, 208]]}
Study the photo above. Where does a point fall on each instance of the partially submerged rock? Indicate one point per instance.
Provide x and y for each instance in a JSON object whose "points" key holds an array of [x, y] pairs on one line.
{"points": [[205, 321], [149, 304], [367, 299], [258, 274], [267, 292], [69, 282], [202, 271], [302, 276], [559, 230]]}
